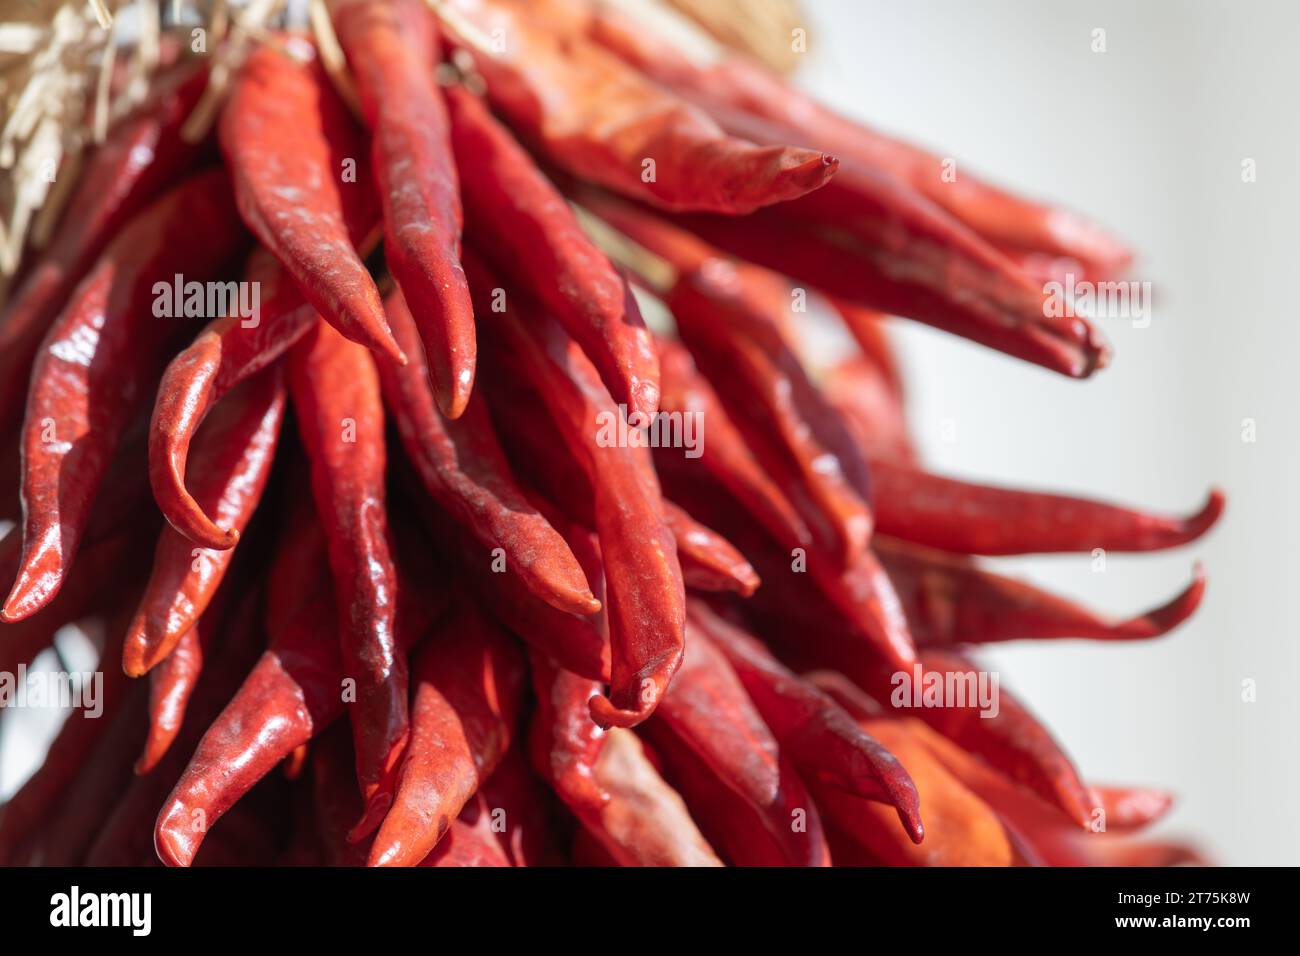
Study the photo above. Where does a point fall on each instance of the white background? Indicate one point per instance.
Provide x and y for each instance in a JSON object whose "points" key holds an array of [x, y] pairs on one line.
{"points": [[1148, 138]]}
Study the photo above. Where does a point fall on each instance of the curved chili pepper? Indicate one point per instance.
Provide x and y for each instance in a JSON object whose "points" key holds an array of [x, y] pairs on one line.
{"points": [[94, 365], [524, 223], [960, 829], [731, 83], [232, 462], [823, 741], [291, 694], [949, 600], [170, 685], [725, 455], [462, 467], [335, 391], [225, 353], [142, 155], [601, 121], [469, 681], [645, 596], [708, 712], [709, 561], [574, 641], [392, 47], [286, 137], [721, 312], [979, 519], [564, 743]]}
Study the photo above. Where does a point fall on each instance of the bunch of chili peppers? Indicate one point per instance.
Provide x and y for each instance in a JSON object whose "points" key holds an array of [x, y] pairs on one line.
{"points": [[381, 592]]}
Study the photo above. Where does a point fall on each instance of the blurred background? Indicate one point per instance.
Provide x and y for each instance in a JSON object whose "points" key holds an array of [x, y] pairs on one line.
{"points": [[1148, 139]]}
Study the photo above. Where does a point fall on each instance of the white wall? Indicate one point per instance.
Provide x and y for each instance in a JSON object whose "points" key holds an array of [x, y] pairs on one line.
{"points": [[1148, 138]]}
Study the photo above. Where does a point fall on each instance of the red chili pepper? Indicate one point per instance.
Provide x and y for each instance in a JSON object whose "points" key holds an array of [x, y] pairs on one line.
{"points": [[978, 519], [335, 391], [231, 464], [707, 712], [732, 84], [469, 843], [522, 811], [574, 641], [463, 468], [949, 600], [286, 137], [292, 693], [605, 123], [142, 155], [725, 456], [525, 225], [721, 315], [469, 681], [392, 48], [95, 364], [225, 353], [709, 561], [824, 742], [645, 596], [170, 686], [604, 778], [960, 829]]}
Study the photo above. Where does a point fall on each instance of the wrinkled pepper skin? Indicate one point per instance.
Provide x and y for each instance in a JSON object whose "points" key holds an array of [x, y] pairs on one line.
{"points": [[97, 363]]}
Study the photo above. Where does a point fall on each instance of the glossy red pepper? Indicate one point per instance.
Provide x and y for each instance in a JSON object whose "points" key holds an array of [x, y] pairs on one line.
{"points": [[228, 351], [392, 47], [524, 224], [468, 688], [605, 123], [463, 468], [335, 391], [292, 150], [98, 362], [232, 462]]}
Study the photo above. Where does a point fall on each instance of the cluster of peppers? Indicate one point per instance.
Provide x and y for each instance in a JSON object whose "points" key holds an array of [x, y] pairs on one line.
{"points": [[386, 498]]}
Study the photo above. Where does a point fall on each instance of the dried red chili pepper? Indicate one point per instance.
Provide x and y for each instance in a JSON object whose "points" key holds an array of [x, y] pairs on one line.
{"points": [[392, 48], [463, 468], [286, 137], [469, 680], [960, 829], [725, 456], [95, 364], [707, 711], [605, 123], [291, 694], [523, 222], [721, 315], [949, 600], [469, 843], [709, 561], [225, 353], [335, 391], [645, 596], [978, 519], [142, 155], [729, 84], [231, 463], [823, 741]]}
